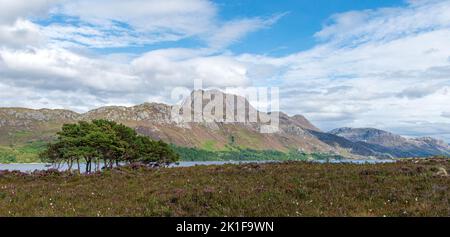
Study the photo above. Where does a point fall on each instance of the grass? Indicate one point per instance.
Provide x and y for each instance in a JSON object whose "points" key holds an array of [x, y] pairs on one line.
{"points": [[209, 145], [408, 188], [27, 153]]}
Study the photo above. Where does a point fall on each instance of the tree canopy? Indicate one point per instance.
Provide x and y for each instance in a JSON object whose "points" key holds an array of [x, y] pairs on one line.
{"points": [[105, 144]]}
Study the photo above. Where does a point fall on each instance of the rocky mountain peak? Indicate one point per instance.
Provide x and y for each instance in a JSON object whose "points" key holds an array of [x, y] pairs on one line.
{"points": [[21, 125]]}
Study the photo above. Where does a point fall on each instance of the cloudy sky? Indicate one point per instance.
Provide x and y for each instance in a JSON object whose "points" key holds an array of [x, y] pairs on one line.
{"points": [[383, 64]]}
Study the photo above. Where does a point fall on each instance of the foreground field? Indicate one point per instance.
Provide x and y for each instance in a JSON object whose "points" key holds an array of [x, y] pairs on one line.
{"points": [[410, 188]]}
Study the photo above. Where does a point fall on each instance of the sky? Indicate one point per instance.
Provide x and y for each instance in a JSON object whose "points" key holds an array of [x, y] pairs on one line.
{"points": [[353, 63]]}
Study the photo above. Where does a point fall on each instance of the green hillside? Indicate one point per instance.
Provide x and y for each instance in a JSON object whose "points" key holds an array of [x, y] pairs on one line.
{"points": [[27, 153]]}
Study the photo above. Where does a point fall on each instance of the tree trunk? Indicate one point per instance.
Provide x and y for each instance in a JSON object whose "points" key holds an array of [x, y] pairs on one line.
{"points": [[88, 161], [70, 165]]}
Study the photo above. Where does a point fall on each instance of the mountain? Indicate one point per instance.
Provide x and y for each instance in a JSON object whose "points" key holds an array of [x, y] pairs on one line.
{"points": [[398, 146], [21, 126]]}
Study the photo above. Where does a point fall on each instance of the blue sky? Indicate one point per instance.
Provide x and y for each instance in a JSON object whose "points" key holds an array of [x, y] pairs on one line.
{"points": [[383, 64], [295, 31], [292, 33]]}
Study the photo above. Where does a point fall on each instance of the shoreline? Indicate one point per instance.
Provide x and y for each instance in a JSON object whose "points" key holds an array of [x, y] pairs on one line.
{"points": [[258, 161], [32, 167]]}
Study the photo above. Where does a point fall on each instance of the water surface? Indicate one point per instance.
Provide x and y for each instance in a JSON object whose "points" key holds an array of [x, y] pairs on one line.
{"points": [[43, 166]]}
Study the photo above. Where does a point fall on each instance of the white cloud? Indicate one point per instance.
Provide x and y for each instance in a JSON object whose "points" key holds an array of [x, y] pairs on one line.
{"points": [[114, 36], [378, 68], [234, 30], [150, 76], [100, 23], [180, 68], [10, 11], [46, 65], [386, 24], [16, 29], [386, 68], [59, 69], [181, 16], [117, 23], [20, 34]]}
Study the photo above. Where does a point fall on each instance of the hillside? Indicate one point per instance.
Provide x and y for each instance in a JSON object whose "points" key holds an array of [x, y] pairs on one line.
{"points": [[21, 127]]}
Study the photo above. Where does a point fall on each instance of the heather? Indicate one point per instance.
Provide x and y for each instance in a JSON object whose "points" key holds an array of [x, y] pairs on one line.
{"points": [[417, 187]]}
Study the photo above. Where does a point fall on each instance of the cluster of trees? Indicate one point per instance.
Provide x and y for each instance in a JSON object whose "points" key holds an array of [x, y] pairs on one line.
{"points": [[105, 144]]}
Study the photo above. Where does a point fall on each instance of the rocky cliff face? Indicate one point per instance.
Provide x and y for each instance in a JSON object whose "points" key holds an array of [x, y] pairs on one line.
{"points": [[20, 125], [24, 118]]}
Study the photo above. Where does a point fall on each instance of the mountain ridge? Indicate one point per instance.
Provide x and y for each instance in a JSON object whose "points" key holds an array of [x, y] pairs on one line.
{"points": [[22, 125], [394, 143]]}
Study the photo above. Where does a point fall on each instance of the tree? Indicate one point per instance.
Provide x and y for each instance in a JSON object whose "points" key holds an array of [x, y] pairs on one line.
{"points": [[107, 142], [154, 153]]}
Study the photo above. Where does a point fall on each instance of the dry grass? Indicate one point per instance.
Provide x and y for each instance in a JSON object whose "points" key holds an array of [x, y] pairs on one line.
{"points": [[283, 189]]}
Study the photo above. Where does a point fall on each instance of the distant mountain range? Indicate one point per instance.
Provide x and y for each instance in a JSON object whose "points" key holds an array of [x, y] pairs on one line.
{"points": [[396, 145], [21, 125]]}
